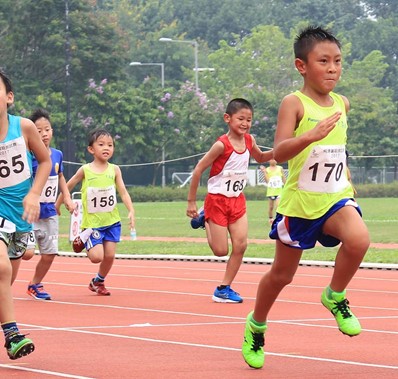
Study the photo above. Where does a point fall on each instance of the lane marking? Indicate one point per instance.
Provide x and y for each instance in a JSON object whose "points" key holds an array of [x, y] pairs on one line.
{"points": [[46, 372]]}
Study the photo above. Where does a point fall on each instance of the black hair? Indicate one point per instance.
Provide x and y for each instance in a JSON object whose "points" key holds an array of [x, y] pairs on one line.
{"points": [[40, 113], [309, 37], [6, 81], [97, 133], [237, 104]]}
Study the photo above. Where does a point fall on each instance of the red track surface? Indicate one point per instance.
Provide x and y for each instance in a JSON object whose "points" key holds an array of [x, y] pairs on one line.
{"points": [[160, 322]]}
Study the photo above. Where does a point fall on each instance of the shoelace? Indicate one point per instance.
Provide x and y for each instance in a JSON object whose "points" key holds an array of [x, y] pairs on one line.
{"points": [[343, 308], [231, 291], [258, 341], [14, 339]]}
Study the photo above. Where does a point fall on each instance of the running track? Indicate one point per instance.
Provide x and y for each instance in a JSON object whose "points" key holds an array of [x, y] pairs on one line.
{"points": [[160, 322]]}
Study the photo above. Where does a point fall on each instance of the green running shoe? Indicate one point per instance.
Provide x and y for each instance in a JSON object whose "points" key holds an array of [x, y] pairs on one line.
{"points": [[253, 342], [347, 322], [18, 346]]}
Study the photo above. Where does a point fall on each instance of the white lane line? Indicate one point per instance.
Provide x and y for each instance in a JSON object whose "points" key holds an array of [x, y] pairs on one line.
{"points": [[45, 372]]}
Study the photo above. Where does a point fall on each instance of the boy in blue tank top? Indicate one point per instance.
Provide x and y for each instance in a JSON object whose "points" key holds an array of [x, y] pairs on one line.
{"points": [[317, 203], [46, 228], [19, 205]]}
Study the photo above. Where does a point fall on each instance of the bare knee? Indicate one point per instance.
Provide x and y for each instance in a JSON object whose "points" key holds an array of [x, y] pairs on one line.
{"points": [[219, 252], [94, 257], [280, 278], [357, 245]]}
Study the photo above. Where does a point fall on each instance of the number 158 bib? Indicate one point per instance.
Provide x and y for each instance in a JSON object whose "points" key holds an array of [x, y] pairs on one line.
{"points": [[101, 199]]}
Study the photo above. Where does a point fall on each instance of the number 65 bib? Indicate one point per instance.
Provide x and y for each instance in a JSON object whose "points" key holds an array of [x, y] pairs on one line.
{"points": [[324, 170]]}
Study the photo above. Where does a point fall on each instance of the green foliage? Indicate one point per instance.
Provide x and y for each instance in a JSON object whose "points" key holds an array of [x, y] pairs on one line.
{"points": [[248, 44]]}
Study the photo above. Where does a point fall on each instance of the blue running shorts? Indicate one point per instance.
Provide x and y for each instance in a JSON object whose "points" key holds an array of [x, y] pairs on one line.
{"points": [[302, 233], [110, 233]]}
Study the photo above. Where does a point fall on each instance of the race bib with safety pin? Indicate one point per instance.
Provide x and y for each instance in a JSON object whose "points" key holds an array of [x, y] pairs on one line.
{"points": [[101, 199], [325, 170], [233, 182]]}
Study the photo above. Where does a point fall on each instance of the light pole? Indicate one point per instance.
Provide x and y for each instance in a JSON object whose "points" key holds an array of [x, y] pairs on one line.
{"points": [[151, 64], [195, 45], [162, 78]]}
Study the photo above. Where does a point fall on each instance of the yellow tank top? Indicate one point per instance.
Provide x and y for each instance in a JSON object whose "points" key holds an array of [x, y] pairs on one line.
{"points": [[317, 175], [99, 198], [275, 182]]}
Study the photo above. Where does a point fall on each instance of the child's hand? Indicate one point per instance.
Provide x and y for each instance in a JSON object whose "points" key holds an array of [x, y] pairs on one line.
{"points": [[192, 210], [324, 127], [31, 206], [69, 205], [131, 220]]}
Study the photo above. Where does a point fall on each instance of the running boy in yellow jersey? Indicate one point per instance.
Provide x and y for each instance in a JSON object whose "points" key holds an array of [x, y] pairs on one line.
{"points": [[317, 200], [275, 179], [100, 180]]}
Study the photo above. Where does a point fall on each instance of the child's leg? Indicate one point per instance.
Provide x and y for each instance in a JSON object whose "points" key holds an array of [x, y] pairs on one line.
{"points": [[109, 257], [42, 267], [6, 303], [347, 226], [281, 274], [96, 253], [217, 237], [15, 263], [270, 208], [238, 235]]}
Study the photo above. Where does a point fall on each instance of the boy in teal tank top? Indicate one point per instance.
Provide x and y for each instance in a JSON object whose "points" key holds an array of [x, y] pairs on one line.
{"points": [[19, 206], [317, 202], [101, 220]]}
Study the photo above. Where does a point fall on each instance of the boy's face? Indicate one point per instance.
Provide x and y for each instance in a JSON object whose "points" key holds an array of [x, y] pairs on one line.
{"points": [[45, 130], [240, 122], [323, 67], [102, 149]]}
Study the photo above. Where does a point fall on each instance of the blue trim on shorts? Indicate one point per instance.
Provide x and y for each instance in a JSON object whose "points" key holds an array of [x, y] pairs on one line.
{"points": [[304, 233]]}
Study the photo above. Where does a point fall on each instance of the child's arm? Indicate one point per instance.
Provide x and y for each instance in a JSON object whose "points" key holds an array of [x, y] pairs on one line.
{"points": [[31, 202], [261, 156], [72, 182], [215, 151], [291, 111], [67, 199], [125, 196]]}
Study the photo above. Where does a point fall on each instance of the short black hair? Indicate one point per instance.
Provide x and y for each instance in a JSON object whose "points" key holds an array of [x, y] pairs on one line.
{"points": [[237, 104], [97, 133], [40, 113], [6, 81], [309, 37]]}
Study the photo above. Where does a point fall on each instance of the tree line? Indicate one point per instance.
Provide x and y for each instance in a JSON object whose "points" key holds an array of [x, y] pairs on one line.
{"points": [[73, 58]]}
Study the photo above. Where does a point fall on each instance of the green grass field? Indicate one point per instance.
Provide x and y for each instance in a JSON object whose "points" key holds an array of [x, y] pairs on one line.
{"points": [[168, 220]]}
